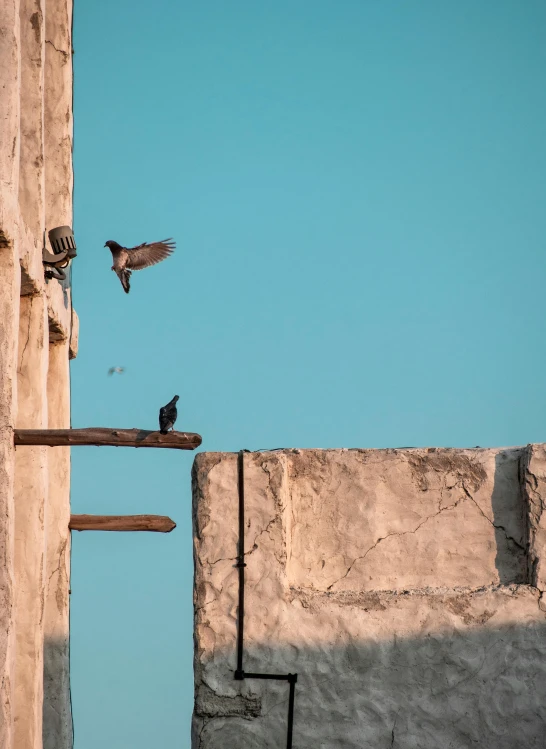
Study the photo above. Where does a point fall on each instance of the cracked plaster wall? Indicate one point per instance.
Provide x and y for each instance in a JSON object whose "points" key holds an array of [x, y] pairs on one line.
{"points": [[403, 586], [38, 334], [31, 502]]}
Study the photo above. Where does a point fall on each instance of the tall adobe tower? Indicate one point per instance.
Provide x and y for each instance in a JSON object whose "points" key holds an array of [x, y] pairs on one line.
{"points": [[38, 336]]}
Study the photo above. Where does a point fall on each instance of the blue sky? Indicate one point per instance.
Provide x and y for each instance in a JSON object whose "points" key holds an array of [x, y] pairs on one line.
{"points": [[357, 194]]}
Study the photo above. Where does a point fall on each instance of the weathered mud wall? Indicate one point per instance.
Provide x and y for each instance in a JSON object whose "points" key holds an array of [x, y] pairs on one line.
{"points": [[38, 333], [404, 587]]}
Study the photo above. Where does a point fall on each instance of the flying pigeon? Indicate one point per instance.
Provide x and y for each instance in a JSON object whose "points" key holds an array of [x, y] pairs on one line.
{"points": [[128, 259], [116, 370], [167, 416]]}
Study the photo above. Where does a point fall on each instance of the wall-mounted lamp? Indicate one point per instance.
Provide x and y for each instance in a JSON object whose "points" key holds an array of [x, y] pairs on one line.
{"points": [[62, 238], [64, 250]]}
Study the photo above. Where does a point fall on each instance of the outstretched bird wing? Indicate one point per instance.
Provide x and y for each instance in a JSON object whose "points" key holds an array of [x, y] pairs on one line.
{"points": [[149, 254]]}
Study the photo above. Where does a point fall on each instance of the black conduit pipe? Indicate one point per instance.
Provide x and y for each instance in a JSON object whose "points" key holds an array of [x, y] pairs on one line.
{"points": [[240, 673]]}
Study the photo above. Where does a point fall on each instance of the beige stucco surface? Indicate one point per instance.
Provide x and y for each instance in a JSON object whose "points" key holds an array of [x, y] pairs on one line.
{"points": [[57, 719], [38, 334], [402, 586], [9, 321], [31, 502]]}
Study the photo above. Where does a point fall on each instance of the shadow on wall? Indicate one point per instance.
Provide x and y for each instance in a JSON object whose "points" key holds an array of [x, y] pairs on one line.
{"points": [[510, 518], [57, 717], [481, 687]]}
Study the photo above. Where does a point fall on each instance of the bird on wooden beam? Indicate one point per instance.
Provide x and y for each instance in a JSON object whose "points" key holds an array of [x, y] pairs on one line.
{"points": [[128, 259], [167, 416]]}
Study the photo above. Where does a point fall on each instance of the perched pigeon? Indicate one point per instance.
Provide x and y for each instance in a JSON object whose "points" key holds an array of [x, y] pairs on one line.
{"points": [[116, 370], [127, 259], [167, 416]]}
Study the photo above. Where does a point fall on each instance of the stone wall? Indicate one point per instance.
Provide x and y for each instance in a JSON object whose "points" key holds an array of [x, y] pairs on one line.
{"points": [[38, 334], [404, 587]]}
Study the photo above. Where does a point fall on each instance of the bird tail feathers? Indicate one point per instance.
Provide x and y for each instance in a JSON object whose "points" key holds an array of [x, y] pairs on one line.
{"points": [[124, 276]]}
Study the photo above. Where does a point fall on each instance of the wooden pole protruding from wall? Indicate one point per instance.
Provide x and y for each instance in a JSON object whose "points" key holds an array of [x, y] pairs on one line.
{"points": [[99, 436], [154, 523]]}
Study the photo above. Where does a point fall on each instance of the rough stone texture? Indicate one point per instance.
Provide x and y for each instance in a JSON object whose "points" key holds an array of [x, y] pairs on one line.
{"points": [[31, 155], [9, 323], [58, 112], [63, 337], [9, 317], [535, 486], [31, 500], [464, 525], [36, 327], [403, 586], [74, 336], [56, 707]]}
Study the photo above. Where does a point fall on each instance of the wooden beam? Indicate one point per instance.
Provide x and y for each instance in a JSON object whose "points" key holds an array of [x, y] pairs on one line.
{"points": [[155, 523], [103, 436]]}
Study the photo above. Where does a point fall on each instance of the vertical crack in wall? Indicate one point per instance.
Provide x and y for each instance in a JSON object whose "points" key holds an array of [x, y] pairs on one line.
{"points": [[31, 299], [497, 526], [535, 508]]}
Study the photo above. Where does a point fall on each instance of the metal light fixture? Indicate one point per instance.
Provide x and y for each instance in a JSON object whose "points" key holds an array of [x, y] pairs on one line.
{"points": [[62, 238], [64, 250]]}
